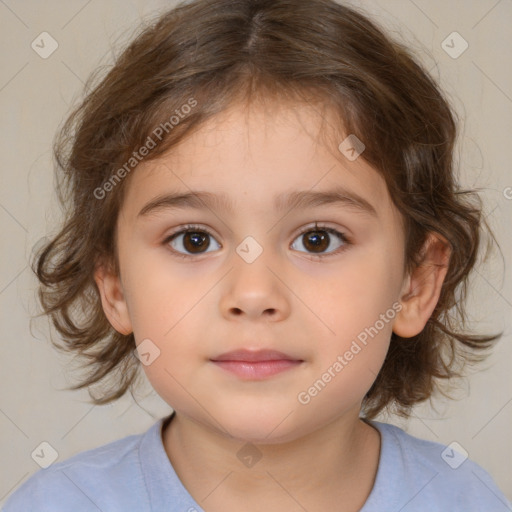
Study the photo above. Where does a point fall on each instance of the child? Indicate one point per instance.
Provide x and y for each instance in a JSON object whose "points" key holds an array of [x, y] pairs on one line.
{"points": [[263, 211]]}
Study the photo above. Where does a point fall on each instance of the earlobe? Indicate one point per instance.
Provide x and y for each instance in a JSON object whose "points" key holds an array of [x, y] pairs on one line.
{"points": [[423, 287], [113, 300]]}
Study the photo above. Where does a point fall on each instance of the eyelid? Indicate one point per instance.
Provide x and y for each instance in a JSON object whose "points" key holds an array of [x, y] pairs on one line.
{"points": [[320, 226], [191, 227]]}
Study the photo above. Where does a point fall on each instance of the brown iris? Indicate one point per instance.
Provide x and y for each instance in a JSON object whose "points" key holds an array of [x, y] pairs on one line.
{"points": [[193, 240], [316, 241]]}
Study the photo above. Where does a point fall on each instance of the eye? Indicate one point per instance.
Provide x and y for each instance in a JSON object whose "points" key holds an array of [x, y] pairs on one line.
{"points": [[320, 241], [317, 240], [190, 241]]}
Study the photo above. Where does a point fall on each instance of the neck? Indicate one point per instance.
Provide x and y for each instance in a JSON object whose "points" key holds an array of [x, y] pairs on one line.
{"points": [[334, 462]]}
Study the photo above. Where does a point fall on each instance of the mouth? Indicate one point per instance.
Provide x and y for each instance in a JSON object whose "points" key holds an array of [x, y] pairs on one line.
{"points": [[256, 365]]}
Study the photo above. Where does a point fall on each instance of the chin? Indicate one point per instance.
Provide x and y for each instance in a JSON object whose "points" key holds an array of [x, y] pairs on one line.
{"points": [[262, 425]]}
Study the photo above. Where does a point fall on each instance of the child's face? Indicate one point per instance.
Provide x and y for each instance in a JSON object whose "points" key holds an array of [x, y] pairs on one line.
{"points": [[289, 300]]}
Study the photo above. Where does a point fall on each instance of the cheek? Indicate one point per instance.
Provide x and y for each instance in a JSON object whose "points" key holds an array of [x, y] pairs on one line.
{"points": [[358, 305], [356, 295], [346, 364], [174, 351], [158, 297], [160, 320]]}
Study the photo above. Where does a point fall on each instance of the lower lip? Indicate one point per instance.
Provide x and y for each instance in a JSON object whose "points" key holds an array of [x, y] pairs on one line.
{"points": [[257, 370]]}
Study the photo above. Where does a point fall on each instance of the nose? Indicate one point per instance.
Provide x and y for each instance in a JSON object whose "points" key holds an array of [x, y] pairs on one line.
{"points": [[254, 291]]}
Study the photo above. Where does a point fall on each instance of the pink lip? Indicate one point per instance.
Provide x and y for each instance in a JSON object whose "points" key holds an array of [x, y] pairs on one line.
{"points": [[255, 365]]}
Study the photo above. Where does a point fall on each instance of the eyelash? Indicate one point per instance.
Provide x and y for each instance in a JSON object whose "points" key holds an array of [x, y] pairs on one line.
{"points": [[191, 228]]}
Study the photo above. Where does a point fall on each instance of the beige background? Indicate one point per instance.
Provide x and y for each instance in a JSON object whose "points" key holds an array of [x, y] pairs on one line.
{"points": [[35, 96]]}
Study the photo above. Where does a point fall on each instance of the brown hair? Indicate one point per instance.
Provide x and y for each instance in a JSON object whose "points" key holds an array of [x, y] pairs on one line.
{"points": [[210, 54]]}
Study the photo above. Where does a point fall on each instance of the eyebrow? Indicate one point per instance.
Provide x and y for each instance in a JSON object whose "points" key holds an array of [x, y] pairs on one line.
{"points": [[201, 200]]}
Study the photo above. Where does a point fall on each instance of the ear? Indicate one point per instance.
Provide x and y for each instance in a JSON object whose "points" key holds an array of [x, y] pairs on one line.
{"points": [[113, 299], [423, 287]]}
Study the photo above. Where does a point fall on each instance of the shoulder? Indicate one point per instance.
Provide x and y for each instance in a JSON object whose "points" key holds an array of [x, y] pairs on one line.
{"points": [[87, 481], [437, 475]]}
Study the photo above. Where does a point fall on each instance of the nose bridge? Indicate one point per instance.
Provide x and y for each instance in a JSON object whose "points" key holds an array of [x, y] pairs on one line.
{"points": [[253, 287]]}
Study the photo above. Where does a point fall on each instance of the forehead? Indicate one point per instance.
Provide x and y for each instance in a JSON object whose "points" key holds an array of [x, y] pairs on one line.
{"points": [[263, 153]]}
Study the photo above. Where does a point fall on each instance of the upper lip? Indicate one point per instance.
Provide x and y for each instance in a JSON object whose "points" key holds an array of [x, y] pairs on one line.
{"points": [[254, 356]]}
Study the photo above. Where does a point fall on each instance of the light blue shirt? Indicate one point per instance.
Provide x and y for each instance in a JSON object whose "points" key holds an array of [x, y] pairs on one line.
{"points": [[135, 474]]}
